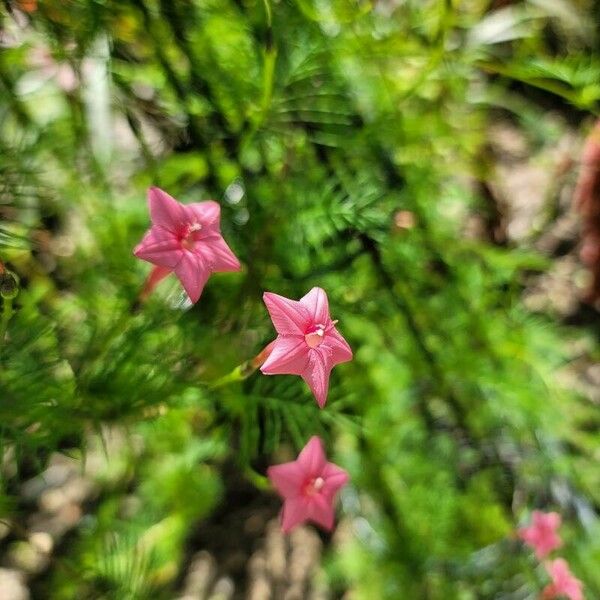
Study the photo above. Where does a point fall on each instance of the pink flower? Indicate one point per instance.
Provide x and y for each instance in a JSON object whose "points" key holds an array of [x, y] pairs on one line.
{"points": [[185, 239], [541, 535], [308, 343], [564, 584], [308, 487]]}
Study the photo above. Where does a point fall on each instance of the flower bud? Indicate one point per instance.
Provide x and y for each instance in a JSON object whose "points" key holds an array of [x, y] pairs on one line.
{"points": [[9, 285]]}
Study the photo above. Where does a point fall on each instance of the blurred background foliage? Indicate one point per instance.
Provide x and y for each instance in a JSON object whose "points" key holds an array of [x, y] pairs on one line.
{"points": [[401, 154]]}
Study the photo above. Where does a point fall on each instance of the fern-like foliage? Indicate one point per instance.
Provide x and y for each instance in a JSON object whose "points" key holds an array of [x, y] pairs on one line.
{"points": [[345, 143]]}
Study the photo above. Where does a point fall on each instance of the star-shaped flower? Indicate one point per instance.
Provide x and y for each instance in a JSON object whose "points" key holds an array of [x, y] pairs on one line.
{"points": [[541, 534], [308, 343], [185, 239], [308, 487], [564, 583]]}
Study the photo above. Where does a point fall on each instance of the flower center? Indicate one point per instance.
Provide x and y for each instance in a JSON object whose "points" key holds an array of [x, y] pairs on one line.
{"points": [[314, 486], [187, 239], [314, 336]]}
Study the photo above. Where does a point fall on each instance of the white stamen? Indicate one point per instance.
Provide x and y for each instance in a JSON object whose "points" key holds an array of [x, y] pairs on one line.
{"points": [[314, 338], [318, 483]]}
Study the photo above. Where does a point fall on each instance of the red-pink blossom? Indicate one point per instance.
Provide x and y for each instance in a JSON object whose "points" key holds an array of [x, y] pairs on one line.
{"points": [[185, 239], [541, 535], [308, 487], [308, 344], [564, 583]]}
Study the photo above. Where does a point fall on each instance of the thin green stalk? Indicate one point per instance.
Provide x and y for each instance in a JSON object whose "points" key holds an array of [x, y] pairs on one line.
{"points": [[238, 374], [244, 370], [268, 82], [268, 79], [7, 314], [259, 481]]}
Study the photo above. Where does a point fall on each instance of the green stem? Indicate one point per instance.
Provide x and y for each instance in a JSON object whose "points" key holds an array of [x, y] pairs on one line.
{"points": [[258, 480], [244, 370], [268, 79], [240, 373], [7, 314], [267, 5]]}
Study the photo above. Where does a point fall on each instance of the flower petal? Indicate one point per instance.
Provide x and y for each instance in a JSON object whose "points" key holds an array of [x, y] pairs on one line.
{"points": [[563, 581], [287, 479], [312, 459], [340, 350], [165, 210], [320, 511], [548, 521], [289, 356], [216, 254], [317, 304], [335, 478], [160, 247], [295, 511], [207, 213], [193, 274], [317, 373], [527, 535], [289, 316]]}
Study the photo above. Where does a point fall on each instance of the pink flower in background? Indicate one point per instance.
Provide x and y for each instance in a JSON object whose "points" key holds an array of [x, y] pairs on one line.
{"points": [[308, 487], [564, 583], [541, 534], [308, 343], [185, 239]]}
